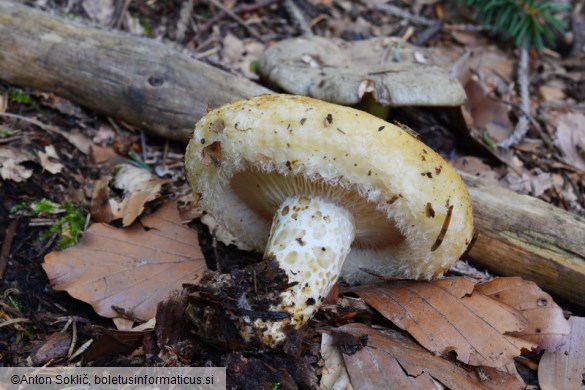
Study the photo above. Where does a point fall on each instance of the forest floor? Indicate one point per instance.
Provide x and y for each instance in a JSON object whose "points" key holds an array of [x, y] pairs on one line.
{"points": [[53, 175]]}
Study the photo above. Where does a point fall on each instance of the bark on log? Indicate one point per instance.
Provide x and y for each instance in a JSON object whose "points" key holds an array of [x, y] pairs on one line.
{"points": [[140, 81], [519, 235], [145, 83]]}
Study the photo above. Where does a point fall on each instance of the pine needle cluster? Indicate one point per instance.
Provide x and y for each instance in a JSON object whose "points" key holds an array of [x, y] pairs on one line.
{"points": [[529, 23]]}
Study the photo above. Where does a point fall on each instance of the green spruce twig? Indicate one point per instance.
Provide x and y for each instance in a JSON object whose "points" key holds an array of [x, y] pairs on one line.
{"points": [[528, 23]]}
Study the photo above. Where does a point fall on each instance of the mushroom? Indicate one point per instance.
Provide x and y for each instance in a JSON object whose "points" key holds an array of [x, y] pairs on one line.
{"points": [[326, 190], [394, 72]]}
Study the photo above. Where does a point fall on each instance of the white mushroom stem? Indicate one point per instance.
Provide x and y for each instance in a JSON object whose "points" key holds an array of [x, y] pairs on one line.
{"points": [[310, 238]]}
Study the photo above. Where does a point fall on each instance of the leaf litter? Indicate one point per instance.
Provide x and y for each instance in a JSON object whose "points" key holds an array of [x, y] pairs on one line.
{"points": [[490, 84], [547, 326], [132, 269], [391, 359], [447, 316], [565, 367], [140, 187]]}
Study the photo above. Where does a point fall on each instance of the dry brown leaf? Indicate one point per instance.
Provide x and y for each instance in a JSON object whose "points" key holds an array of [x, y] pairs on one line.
{"points": [[105, 135], [101, 211], [334, 374], [64, 106], [475, 166], [53, 348], [132, 268], [527, 183], [77, 139], [115, 341], [102, 154], [571, 138], [443, 315], [10, 164], [392, 360], [486, 111], [140, 187], [565, 369], [492, 65], [552, 92], [547, 326], [239, 54], [46, 162], [222, 234]]}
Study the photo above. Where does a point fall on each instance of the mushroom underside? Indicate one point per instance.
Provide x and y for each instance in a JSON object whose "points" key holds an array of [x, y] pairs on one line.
{"points": [[264, 192]]}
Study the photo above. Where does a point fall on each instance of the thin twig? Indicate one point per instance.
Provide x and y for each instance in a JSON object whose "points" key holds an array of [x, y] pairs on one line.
{"points": [[81, 349], [7, 245], [522, 126], [73, 340], [120, 9], [15, 321], [402, 14], [184, 18], [297, 17], [239, 20], [421, 20], [237, 10]]}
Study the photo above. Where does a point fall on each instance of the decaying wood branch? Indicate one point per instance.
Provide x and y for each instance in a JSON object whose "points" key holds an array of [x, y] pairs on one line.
{"points": [[140, 81], [147, 84], [523, 236]]}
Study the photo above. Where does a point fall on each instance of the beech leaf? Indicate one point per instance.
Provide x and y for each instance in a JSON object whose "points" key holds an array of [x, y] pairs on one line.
{"points": [[334, 374], [133, 268], [444, 316], [565, 368], [140, 187], [546, 326], [393, 360]]}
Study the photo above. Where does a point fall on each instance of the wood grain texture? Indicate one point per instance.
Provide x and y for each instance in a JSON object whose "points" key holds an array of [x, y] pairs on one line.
{"points": [[523, 236], [140, 81], [145, 83]]}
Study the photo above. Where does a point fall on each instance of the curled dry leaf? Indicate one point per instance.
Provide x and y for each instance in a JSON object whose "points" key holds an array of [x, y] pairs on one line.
{"points": [[101, 211], [238, 54], [140, 187], [393, 360], [115, 341], [132, 268], [221, 233], [53, 348], [546, 326], [571, 138], [444, 316], [10, 164], [334, 374], [565, 368], [46, 158]]}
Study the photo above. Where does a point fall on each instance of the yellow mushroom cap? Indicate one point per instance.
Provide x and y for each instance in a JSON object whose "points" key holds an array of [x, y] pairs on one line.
{"points": [[411, 209]]}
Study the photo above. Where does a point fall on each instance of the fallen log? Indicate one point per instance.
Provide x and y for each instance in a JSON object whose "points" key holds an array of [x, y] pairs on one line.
{"points": [[145, 83], [138, 80], [519, 235]]}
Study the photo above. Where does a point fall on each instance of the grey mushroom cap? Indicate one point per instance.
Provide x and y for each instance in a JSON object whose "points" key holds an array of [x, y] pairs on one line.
{"points": [[394, 72]]}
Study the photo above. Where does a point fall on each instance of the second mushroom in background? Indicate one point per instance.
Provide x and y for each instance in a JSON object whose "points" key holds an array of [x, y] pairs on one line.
{"points": [[326, 191]]}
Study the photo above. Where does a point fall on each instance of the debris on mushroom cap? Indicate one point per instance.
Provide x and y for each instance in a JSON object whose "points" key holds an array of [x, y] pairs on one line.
{"points": [[411, 210], [396, 73]]}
